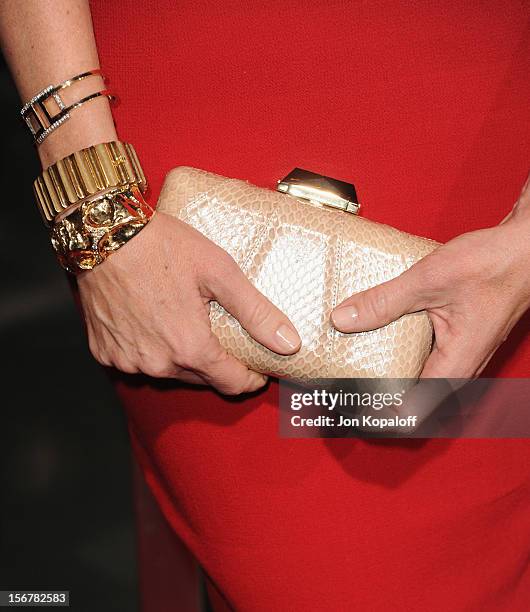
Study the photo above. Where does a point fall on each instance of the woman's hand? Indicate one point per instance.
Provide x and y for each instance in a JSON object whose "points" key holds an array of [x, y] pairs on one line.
{"points": [[474, 288], [146, 309]]}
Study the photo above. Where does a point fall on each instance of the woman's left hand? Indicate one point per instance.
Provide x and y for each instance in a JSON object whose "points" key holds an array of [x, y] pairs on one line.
{"points": [[475, 288]]}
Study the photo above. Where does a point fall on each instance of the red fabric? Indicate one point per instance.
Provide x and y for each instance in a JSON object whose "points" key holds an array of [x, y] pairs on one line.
{"points": [[167, 570], [425, 107]]}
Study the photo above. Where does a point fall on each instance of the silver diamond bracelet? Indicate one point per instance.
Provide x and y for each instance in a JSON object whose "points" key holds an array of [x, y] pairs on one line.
{"points": [[42, 120]]}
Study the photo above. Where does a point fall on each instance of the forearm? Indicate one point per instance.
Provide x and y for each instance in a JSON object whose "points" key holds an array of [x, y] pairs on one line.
{"points": [[46, 42]]}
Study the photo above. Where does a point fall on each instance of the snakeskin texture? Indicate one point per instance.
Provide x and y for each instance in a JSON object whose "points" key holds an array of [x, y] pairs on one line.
{"points": [[306, 259]]}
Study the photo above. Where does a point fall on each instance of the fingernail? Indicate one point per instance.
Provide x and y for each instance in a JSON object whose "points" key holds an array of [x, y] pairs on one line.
{"points": [[343, 318], [288, 337]]}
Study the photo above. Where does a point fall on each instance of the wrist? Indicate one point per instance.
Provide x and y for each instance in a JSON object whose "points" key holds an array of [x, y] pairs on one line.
{"points": [[92, 202], [516, 234], [98, 227], [86, 173], [92, 124]]}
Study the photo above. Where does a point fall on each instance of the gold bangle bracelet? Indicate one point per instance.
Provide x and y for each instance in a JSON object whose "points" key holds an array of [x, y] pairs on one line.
{"points": [[86, 173], [98, 227]]}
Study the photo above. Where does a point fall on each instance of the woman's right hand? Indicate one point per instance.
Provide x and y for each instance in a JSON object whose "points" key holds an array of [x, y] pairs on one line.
{"points": [[147, 309]]}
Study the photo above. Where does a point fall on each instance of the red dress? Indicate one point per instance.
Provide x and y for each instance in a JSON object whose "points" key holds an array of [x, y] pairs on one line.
{"points": [[425, 107]]}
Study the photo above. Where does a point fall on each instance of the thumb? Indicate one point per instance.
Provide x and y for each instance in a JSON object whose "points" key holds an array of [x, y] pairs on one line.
{"points": [[380, 305], [461, 358], [256, 314]]}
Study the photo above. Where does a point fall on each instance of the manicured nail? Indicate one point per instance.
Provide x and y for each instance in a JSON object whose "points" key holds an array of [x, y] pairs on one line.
{"points": [[288, 337], [343, 317]]}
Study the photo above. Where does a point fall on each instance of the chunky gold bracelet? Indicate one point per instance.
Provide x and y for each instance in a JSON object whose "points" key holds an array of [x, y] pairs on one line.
{"points": [[86, 173], [87, 234]]}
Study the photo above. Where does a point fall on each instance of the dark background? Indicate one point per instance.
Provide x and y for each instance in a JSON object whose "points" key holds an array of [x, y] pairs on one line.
{"points": [[66, 518]]}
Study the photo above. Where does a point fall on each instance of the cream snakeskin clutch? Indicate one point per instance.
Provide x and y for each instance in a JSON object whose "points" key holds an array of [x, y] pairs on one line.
{"points": [[306, 257]]}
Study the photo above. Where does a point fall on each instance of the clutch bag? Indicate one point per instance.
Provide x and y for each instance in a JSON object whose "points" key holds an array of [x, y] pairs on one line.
{"points": [[306, 249]]}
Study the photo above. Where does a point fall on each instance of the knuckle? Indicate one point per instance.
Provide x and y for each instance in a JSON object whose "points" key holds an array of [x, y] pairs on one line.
{"points": [[428, 276], [378, 303], [92, 344], [235, 387], [162, 369], [199, 354], [156, 371], [238, 389], [123, 365], [222, 264], [116, 359], [260, 313], [101, 357], [227, 262], [94, 349], [188, 359]]}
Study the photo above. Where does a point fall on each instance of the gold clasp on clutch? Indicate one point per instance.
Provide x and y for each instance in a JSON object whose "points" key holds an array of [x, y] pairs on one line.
{"points": [[319, 189]]}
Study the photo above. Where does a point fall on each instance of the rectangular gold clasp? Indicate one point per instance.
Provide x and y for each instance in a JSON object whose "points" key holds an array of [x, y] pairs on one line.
{"points": [[319, 189]]}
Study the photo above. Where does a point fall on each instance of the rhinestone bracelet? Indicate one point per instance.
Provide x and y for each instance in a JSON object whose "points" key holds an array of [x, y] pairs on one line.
{"points": [[42, 120]]}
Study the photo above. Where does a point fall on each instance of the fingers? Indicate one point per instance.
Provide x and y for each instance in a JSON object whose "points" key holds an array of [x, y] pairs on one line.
{"points": [[213, 367], [261, 319], [462, 357], [225, 373], [380, 305], [441, 365], [188, 377], [423, 399]]}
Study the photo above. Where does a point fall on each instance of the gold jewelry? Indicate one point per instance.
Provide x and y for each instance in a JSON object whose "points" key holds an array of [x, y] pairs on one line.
{"points": [[86, 173], [98, 226], [37, 113]]}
